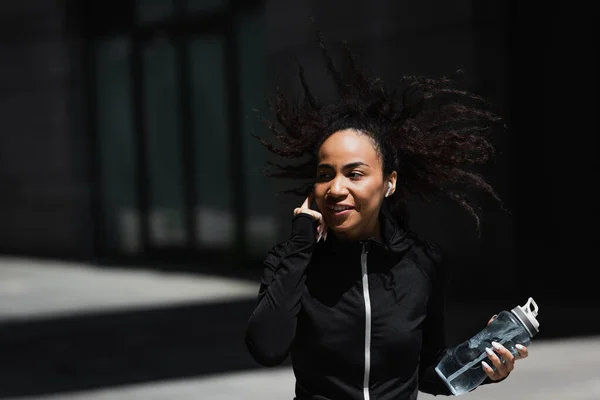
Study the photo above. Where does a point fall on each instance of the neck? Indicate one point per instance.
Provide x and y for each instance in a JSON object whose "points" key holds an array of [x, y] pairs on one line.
{"points": [[373, 230]]}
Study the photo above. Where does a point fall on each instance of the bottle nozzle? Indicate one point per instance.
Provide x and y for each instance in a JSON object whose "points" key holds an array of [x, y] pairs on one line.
{"points": [[527, 315], [531, 306]]}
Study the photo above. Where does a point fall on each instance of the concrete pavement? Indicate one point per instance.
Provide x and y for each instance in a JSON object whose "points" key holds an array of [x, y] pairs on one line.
{"points": [[556, 370], [71, 331]]}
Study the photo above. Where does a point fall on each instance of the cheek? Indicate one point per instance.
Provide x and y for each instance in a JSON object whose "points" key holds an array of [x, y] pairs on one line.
{"points": [[319, 197], [369, 198]]}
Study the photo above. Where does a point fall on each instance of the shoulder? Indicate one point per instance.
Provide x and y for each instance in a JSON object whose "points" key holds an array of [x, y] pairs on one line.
{"points": [[427, 250], [427, 255]]}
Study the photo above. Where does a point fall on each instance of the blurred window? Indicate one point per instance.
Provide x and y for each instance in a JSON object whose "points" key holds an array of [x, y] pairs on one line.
{"points": [[166, 114]]}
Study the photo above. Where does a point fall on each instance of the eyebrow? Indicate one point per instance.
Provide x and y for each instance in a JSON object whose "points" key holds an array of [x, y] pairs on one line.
{"points": [[347, 166]]}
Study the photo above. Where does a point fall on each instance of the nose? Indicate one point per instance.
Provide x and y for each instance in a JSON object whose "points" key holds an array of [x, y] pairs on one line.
{"points": [[338, 188]]}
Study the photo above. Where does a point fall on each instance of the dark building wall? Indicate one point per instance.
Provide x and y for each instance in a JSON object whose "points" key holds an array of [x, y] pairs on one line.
{"points": [[43, 206], [553, 108]]}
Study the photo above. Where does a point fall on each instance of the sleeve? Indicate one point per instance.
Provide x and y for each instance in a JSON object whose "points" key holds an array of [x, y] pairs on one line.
{"points": [[272, 325], [434, 333]]}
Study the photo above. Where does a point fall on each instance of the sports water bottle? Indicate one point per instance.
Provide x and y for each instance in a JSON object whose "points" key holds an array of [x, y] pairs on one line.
{"points": [[461, 369]]}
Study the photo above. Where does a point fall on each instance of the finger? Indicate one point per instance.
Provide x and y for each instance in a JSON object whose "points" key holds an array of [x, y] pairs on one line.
{"points": [[507, 356], [307, 202], [305, 211], [493, 318], [500, 368], [321, 227], [300, 210], [523, 351], [316, 216], [493, 375]]}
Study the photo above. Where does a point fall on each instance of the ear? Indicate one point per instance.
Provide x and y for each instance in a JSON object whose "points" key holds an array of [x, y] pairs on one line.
{"points": [[391, 186]]}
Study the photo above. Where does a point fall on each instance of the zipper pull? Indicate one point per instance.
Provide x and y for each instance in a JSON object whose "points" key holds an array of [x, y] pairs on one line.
{"points": [[365, 246]]}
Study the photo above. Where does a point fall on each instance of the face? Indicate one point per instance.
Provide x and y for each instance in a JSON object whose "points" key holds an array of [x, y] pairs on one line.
{"points": [[350, 185]]}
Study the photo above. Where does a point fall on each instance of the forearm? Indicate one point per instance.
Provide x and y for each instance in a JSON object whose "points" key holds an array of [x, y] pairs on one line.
{"points": [[272, 325], [429, 381]]}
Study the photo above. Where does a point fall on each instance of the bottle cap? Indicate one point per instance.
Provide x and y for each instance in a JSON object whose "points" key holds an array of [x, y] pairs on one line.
{"points": [[526, 314]]}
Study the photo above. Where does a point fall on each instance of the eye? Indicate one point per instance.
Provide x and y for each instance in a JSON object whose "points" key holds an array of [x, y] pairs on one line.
{"points": [[323, 176], [355, 175]]}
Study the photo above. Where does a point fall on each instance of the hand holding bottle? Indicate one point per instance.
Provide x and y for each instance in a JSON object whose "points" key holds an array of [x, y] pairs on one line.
{"points": [[504, 364], [492, 352]]}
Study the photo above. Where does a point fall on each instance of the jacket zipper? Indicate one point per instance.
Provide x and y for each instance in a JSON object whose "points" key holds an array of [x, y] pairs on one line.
{"points": [[365, 285]]}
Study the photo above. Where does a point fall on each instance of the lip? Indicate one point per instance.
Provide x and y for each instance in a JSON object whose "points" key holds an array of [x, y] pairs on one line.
{"points": [[340, 213]]}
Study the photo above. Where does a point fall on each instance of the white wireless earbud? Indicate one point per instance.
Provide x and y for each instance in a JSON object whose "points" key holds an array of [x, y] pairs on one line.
{"points": [[389, 189]]}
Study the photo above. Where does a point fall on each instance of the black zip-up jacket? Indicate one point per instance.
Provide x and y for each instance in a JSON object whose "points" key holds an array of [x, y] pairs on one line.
{"points": [[361, 320]]}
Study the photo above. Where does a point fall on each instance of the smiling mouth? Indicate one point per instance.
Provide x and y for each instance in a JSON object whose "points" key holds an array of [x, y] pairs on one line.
{"points": [[339, 209]]}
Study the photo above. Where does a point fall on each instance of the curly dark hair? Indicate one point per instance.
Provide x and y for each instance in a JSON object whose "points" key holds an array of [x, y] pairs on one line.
{"points": [[426, 129]]}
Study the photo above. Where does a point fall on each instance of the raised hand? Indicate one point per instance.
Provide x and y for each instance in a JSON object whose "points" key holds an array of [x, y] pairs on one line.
{"points": [[306, 209]]}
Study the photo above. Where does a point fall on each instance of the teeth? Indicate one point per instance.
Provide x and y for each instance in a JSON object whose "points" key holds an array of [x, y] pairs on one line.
{"points": [[339, 208]]}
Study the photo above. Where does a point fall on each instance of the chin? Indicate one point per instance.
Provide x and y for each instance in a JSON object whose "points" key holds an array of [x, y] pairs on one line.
{"points": [[342, 228]]}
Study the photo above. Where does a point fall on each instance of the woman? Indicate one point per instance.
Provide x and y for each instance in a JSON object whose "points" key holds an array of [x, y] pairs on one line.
{"points": [[354, 295]]}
